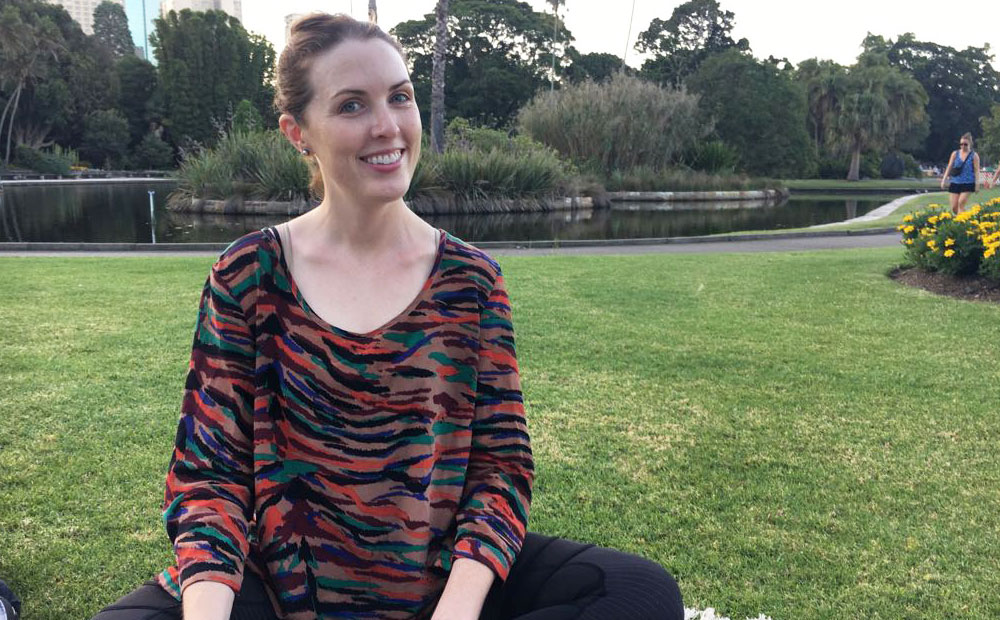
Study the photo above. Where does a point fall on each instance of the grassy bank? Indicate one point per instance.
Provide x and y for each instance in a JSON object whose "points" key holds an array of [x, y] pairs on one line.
{"points": [[789, 434], [868, 184]]}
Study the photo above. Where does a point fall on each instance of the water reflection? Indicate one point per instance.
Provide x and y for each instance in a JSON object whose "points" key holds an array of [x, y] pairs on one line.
{"points": [[110, 213]]}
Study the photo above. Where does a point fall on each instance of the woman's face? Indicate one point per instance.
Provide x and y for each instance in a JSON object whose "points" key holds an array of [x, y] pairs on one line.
{"points": [[963, 143], [362, 122]]}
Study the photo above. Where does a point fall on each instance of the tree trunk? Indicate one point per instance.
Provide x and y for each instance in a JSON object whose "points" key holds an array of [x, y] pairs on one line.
{"points": [[853, 174], [437, 77], [372, 12], [10, 128]]}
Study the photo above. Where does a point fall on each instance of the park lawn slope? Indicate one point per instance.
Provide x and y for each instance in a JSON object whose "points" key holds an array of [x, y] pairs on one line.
{"points": [[789, 434]]}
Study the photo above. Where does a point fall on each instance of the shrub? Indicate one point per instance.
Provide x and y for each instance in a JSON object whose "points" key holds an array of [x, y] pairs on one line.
{"points": [[55, 161], [105, 136], [957, 245], [615, 125], [152, 153], [245, 164], [714, 156]]}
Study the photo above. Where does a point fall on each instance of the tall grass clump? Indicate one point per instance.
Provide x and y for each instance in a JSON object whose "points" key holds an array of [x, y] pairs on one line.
{"points": [[254, 165], [482, 163], [616, 125]]}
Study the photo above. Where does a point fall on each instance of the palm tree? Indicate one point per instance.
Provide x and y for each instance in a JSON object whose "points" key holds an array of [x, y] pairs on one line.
{"points": [[880, 105], [555, 36], [26, 46], [437, 77]]}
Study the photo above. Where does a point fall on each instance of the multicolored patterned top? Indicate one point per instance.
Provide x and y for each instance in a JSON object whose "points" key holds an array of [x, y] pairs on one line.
{"points": [[348, 470]]}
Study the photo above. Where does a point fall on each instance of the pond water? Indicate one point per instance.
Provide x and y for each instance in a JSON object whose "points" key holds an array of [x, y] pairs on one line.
{"points": [[120, 213]]}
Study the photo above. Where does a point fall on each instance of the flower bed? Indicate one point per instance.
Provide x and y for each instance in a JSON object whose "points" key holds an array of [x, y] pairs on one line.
{"points": [[956, 245]]}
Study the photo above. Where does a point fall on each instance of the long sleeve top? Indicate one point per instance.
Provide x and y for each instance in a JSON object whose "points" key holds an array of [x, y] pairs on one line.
{"points": [[348, 470]]}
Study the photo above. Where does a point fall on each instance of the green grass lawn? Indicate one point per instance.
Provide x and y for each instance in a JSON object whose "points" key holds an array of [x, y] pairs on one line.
{"points": [[789, 434]]}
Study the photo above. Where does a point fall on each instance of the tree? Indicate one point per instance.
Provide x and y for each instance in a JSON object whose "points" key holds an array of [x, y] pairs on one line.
{"points": [[438, 76], [372, 12], [71, 77], [111, 29], [207, 64], [29, 40], [989, 142], [498, 56], [961, 86], [696, 30], [152, 153], [136, 101], [596, 66], [105, 137], [758, 110], [879, 106], [824, 82]]}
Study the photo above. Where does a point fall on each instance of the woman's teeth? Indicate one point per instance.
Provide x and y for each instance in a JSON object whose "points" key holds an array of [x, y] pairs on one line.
{"points": [[384, 159]]}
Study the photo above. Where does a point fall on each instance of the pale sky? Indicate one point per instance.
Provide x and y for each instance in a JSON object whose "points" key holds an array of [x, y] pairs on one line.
{"points": [[796, 29]]}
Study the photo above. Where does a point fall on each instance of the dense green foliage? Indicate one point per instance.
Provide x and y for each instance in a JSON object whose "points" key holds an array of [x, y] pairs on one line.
{"points": [[499, 55], [111, 29], [152, 153], [138, 100], [759, 111], [50, 161], [645, 179], [105, 137], [696, 30], [207, 64], [252, 165], [616, 125], [961, 86]]}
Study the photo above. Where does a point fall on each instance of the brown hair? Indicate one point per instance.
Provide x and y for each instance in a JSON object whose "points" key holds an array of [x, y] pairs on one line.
{"points": [[309, 37], [968, 136]]}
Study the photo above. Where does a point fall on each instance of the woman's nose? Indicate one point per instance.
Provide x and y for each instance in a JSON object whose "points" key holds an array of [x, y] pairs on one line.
{"points": [[384, 122]]}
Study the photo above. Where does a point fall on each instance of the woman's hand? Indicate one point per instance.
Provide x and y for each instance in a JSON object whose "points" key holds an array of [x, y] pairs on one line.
{"points": [[207, 600], [466, 590]]}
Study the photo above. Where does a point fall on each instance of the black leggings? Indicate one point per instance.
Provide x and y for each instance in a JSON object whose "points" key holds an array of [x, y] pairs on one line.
{"points": [[552, 579]]}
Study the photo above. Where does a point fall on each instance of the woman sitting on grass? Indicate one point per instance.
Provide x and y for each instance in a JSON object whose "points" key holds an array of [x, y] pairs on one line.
{"points": [[352, 441], [966, 162]]}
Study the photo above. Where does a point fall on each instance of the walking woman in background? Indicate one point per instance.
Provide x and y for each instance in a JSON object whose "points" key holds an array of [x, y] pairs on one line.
{"points": [[963, 170], [352, 441]]}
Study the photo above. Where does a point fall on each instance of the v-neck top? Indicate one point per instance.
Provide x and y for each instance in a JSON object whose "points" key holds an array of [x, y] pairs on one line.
{"points": [[348, 470], [272, 232]]}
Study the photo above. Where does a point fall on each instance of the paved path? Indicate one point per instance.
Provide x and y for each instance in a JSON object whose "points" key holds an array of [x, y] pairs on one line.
{"points": [[759, 243]]}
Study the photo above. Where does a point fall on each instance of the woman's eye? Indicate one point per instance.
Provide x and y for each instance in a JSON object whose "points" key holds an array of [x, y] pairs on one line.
{"points": [[350, 106], [400, 98]]}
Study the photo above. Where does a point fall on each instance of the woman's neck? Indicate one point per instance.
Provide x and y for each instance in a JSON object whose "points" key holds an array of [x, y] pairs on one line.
{"points": [[363, 229]]}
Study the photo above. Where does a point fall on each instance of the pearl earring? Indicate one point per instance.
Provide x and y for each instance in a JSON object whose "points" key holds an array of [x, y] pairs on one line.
{"points": [[306, 151]]}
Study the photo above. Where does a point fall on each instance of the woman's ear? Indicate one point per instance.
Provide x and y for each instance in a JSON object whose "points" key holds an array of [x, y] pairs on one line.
{"points": [[292, 130]]}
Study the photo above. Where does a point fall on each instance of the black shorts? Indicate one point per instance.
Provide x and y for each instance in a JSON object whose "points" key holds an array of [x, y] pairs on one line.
{"points": [[962, 188]]}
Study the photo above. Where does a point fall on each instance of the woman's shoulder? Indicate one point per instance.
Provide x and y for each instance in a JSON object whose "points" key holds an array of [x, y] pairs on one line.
{"points": [[244, 255], [459, 254]]}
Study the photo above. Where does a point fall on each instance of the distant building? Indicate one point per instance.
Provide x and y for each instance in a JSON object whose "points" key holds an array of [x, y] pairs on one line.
{"points": [[82, 11], [231, 7]]}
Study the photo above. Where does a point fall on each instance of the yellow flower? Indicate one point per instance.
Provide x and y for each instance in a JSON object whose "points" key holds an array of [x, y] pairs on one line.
{"points": [[932, 219], [908, 241], [949, 242], [931, 243], [908, 229], [907, 218], [990, 252], [949, 253]]}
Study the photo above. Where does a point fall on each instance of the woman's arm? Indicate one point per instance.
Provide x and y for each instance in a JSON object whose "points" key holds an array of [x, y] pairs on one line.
{"points": [[975, 161], [208, 498], [208, 600], [492, 514], [947, 170], [468, 584]]}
